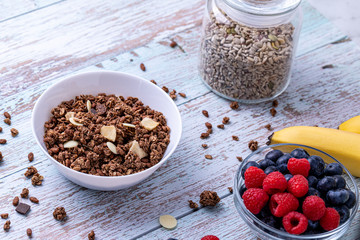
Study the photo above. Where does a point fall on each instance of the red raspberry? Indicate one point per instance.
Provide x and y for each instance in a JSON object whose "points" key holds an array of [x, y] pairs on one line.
{"points": [[313, 207], [283, 203], [298, 185], [254, 177], [275, 182], [330, 220], [299, 166], [295, 223], [210, 237], [255, 199]]}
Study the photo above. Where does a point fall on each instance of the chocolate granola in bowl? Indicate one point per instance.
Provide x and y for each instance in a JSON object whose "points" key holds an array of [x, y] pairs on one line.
{"points": [[106, 135]]}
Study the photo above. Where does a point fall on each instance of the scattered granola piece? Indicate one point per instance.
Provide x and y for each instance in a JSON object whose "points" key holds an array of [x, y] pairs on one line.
{"points": [[34, 200], [209, 198], [173, 94], [37, 179], [193, 204], [23, 208], [1, 156], [253, 145], [165, 89], [16, 201], [4, 215], [240, 159], [31, 157], [24, 193], [225, 120], [29, 232], [7, 115], [205, 113], [327, 66], [316, 125], [14, 132], [221, 126], [204, 145], [0, 129], [208, 156], [173, 44], [153, 81], [275, 103], [30, 171], [204, 135], [209, 131], [59, 214], [142, 67], [268, 127], [230, 189], [234, 105], [168, 221], [7, 121], [7, 225], [273, 112], [91, 235], [2, 141], [208, 125], [235, 138], [182, 95]]}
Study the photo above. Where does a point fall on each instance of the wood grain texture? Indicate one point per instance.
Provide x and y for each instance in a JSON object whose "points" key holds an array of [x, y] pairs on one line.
{"points": [[315, 96]]}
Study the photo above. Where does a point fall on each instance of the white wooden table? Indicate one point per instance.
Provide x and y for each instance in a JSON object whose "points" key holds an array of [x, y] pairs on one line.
{"points": [[44, 41]]}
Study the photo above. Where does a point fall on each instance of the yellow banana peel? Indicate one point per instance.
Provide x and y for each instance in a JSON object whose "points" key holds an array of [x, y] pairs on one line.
{"points": [[351, 125]]}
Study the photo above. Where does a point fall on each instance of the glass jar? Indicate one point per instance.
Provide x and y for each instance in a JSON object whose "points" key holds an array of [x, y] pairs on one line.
{"points": [[248, 46]]}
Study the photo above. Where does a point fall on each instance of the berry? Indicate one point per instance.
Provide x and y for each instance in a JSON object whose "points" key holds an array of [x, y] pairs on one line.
{"points": [[288, 176], [242, 190], [339, 181], [283, 203], [266, 163], [317, 165], [247, 165], [333, 169], [337, 196], [298, 186], [274, 155], [295, 223], [312, 225], [299, 166], [210, 237], [299, 153], [255, 199], [325, 184], [313, 208], [270, 169], [312, 181], [330, 220], [283, 168], [254, 177], [274, 182], [344, 213], [271, 221], [313, 192], [350, 203], [283, 159]]}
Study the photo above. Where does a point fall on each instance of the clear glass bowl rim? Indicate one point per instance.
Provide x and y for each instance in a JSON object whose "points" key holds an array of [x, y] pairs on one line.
{"points": [[286, 235]]}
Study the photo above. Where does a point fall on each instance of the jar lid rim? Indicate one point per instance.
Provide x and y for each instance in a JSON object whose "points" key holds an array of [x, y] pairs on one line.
{"points": [[264, 7]]}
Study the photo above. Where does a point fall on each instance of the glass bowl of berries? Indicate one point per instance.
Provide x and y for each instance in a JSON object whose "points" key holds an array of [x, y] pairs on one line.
{"points": [[292, 191]]}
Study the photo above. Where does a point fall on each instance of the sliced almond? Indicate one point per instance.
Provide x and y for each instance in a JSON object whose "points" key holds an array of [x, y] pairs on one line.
{"points": [[75, 121], [129, 125], [69, 115], [109, 132], [71, 144], [148, 124], [88, 105], [135, 148], [168, 221], [112, 147]]}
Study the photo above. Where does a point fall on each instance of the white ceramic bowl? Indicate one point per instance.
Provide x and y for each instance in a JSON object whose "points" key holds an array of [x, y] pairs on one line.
{"points": [[109, 82]]}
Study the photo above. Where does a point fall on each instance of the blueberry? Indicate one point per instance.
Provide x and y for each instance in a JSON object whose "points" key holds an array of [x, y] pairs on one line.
{"points": [[339, 181], [299, 153], [271, 221], [242, 190], [265, 212], [274, 155], [325, 184], [344, 213], [266, 163], [283, 159], [288, 176], [317, 165], [270, 170], [312, 180], [312, 225], [333, 169], [247, 165], [350, 203], [337, 196], [283, 168], [313, 192]]}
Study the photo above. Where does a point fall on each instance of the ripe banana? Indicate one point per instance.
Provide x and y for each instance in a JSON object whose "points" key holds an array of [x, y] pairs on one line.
{"points": [[342, 145], [351, 125]]}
